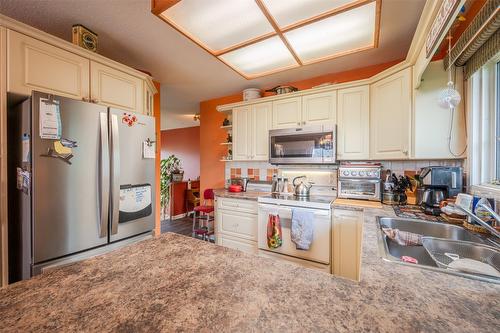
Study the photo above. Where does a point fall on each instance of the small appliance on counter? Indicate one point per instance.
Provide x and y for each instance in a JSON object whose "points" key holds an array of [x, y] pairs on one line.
{"points": [[449, 178], [432, 197], [359, 181], [439, 183]]}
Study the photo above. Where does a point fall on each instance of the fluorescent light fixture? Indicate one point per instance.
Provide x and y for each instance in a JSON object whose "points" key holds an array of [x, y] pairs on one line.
{"points": [[264, 57], [260, 37], [344, 33], [218, 24], [289, 12]]}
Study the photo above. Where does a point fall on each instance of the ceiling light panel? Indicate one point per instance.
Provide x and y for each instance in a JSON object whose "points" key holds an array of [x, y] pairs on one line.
{"points": [[218, 24], [289, 12], [343, 33], [264, 57]]}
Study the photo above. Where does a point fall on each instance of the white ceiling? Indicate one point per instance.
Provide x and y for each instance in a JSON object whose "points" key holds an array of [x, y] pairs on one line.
{"points": [[130, 34]]}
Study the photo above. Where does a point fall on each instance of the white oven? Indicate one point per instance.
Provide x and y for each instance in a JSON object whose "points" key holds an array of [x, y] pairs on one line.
{"points": [[319, 251]]}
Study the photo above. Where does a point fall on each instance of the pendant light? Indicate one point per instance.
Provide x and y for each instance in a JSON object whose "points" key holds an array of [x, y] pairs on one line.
{"points": [[449, 98]]}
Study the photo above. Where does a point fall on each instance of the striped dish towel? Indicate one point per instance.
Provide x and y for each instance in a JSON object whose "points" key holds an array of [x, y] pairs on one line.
{"points": [[404, 238]]}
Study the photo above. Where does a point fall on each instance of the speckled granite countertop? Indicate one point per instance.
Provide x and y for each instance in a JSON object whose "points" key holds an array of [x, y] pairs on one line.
{"points": [[175, 283], [249, 195]]}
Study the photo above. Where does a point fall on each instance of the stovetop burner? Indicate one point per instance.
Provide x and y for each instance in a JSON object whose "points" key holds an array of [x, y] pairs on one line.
{"points": [[313, 201]]}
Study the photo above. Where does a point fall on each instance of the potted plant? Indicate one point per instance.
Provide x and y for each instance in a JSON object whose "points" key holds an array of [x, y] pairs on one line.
{"points": [[170, 171]]}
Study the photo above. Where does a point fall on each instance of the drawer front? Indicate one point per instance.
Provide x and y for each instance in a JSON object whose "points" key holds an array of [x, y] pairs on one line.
{"points": [[243, 245], [240, 205], [237, 224]]}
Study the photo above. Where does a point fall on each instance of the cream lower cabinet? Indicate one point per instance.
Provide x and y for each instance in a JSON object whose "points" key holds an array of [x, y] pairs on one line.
{"points": [[116, 89], [319, 108], [353, 123], [251, 126], [236, 224], [347, 243], [390, 129], [35, 65]]}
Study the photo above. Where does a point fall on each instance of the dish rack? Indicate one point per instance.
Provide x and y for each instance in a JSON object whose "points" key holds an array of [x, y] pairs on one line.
{"points": [[443, 251]]}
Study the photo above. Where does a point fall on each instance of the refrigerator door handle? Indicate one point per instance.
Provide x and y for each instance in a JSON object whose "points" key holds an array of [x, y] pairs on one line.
{"points": [[103, 176], [115, 174]]}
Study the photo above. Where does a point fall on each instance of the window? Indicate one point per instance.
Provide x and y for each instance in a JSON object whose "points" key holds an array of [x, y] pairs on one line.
{"points": [[483, 104], [497, 159]]}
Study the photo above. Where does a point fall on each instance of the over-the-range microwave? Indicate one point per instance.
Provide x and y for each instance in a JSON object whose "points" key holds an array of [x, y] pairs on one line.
{"points": [[303, 145]]}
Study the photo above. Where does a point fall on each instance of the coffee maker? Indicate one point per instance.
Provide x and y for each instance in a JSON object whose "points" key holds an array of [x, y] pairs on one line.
{"points": [[440, 183]]}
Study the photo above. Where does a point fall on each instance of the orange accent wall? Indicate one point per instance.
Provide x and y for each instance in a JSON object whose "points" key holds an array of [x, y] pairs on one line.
{"points": [[157, 115], [185, 144], [211, 135]]}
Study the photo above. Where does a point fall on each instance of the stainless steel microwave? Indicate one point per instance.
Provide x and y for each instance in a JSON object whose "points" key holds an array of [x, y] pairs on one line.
{"points": [[303, 145]]}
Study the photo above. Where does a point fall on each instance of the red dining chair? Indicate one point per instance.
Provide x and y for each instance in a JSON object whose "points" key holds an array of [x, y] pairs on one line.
{"points": [[203, 216]]}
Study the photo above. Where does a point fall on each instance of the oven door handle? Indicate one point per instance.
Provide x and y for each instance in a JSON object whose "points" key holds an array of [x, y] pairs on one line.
{"points": [[373, 181]]}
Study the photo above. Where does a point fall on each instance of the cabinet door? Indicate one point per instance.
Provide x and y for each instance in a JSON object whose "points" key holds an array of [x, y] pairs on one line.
{"points": [[261, 114], [35, 65], [115, 88], [148, 101], [236, 243], [353, 121], [319, 108], [287, 113], [241, 133], [390, 116], [236, 224], [347, 240]]}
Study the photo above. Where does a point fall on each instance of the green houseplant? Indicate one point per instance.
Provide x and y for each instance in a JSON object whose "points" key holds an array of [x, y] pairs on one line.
{"points": [[168, 167]]}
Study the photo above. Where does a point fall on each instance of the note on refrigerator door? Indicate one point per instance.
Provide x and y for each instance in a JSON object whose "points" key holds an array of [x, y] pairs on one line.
{"points": [[148, 149], [50, 119]]}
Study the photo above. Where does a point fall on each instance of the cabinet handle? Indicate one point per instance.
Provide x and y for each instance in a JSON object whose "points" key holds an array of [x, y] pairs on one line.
{"points": [[95, 101], [298, 123], [85, 99], [405, 152], [303, 123]]}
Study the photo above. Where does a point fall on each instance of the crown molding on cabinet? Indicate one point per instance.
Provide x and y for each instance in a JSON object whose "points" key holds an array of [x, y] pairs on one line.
{"points": [[30, 31], [415, 57]]}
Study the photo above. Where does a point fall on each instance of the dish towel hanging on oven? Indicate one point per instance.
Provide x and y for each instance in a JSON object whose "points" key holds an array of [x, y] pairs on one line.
{"points": [[302, 228], [274, 235]]}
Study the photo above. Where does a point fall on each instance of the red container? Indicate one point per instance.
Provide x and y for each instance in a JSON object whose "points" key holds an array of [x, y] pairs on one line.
{"points": [[235, 188]]}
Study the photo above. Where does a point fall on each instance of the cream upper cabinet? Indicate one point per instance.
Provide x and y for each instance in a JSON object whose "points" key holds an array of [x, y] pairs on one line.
{"points": [[115, 88], [353, 122], [287, 113], [35, 65], [251, 126], [347, 241], [319, 108], [261, 114], [390, 116], [241, 133], [431, 123]]}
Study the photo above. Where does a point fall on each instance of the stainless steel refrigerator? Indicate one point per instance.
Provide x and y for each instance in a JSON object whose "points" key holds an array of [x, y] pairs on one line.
{"points": [[81, 178]]}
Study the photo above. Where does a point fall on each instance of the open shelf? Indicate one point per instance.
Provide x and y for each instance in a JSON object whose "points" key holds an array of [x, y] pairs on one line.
{"points": [[226, 143]]}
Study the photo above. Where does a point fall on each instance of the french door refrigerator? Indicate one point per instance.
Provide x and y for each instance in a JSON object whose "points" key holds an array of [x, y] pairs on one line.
{"points": [[82, 177]]}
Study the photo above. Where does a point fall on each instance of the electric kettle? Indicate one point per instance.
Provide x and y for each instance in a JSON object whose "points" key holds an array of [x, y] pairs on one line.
{"points": [[301, 189]]}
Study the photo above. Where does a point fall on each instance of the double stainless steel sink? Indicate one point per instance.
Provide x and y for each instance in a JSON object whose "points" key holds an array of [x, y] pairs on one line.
{"points": [[392, 251]]}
